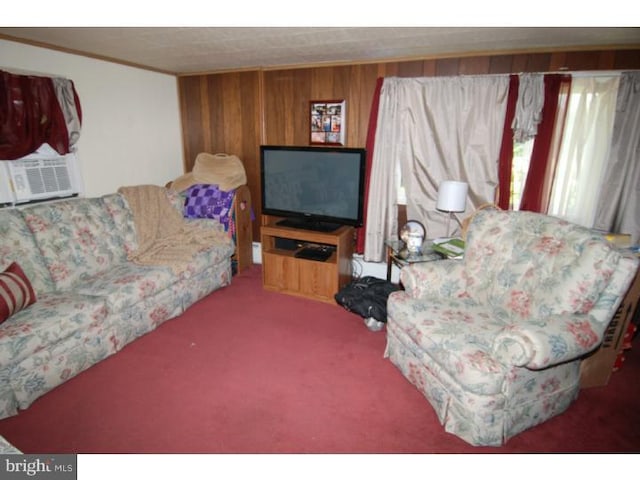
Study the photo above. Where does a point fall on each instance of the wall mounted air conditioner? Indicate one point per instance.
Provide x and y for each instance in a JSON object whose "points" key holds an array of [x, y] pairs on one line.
{"points": [[40, 176]]}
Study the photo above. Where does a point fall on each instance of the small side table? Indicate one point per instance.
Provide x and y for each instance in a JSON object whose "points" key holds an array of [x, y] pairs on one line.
{"points": [[396, 257]]}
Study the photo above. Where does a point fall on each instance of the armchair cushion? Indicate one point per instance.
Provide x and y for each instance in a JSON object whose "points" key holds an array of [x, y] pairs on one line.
{"points": [[535, 265], [457, 335]]}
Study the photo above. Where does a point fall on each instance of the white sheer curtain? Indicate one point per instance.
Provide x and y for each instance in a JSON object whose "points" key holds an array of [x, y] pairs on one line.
{"points": [[436, 128], [584, 148], [620, 194]]}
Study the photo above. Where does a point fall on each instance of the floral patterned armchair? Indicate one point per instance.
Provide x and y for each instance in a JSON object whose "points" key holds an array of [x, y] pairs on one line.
{"points": [[494, 340]]}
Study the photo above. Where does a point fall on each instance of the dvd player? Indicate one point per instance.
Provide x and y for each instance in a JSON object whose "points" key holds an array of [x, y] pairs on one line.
{"points": [[314, 253]]}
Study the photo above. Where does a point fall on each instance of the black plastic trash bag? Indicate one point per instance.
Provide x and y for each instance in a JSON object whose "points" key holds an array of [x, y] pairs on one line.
{"points": [[367, 296]]}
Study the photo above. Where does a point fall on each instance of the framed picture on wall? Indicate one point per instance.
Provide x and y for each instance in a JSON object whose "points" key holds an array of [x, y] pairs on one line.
{"points": [[327, 122]]}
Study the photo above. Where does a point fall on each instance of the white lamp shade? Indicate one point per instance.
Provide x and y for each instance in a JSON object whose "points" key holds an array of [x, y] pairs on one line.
{"points": [[452, 196]]}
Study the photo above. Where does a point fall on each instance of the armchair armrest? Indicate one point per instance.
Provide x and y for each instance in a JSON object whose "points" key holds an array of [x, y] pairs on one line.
{"points": [[442, 278], [538, 344]]}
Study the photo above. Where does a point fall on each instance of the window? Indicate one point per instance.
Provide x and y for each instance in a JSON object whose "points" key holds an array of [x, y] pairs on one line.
{"points": [[583, 151], [519, 169], [402, 194], [584, 148]]}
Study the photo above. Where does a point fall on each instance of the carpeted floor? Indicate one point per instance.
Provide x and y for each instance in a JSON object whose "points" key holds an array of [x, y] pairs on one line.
{"points": [[250, 371]]}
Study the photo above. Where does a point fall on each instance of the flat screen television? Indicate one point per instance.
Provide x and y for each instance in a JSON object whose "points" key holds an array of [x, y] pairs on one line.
{"points": [[314, 188]]}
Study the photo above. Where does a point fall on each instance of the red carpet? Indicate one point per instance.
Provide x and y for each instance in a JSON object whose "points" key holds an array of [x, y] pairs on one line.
{"points": [[249, 371]]}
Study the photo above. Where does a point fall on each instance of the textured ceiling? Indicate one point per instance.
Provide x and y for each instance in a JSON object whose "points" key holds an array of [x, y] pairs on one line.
{"points": [[184, 50]]}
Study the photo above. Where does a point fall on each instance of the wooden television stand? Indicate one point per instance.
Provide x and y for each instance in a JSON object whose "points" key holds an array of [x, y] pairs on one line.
{"points": [[283, 272]]}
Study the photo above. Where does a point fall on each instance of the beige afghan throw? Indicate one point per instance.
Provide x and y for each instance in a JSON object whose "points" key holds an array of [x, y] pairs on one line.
{"points": [[164, 236]]}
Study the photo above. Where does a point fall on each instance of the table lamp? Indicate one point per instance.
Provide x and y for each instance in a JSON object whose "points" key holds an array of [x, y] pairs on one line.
{"points": [[452, 197]]}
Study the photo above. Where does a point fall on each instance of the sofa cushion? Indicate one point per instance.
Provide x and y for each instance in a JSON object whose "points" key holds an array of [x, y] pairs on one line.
{"points": [[18, 245], [120, 212], [204, 259], [56, 316], [16, 292], [126, 284], [77, 237]]}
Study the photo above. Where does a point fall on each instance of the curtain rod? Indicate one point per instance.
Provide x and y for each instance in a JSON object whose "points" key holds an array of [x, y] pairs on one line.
{"points": [[580, 73], [19, 71], [599, 73]]}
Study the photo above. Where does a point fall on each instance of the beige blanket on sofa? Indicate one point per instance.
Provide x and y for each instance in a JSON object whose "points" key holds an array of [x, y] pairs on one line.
{"points": [[164, 236]]}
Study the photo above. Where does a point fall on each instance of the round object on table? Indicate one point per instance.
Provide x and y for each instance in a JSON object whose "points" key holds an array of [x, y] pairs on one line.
{"points": [[412, 234]]}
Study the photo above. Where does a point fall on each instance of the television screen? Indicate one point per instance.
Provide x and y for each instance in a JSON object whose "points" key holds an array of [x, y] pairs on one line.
{"points": [[313, 187]]}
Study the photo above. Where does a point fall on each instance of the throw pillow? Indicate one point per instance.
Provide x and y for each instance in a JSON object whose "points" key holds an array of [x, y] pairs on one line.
{"points": [[16, 292], [208, 201]]}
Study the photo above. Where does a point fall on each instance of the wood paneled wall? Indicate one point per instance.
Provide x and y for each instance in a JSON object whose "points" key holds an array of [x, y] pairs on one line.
{"points": [[223, 114], [236, 112]]}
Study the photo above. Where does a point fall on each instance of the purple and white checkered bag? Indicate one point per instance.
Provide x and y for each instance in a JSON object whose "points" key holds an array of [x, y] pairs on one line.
{"points": [[208, 201]]}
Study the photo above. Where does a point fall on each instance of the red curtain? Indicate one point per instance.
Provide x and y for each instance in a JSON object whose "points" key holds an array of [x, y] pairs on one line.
{"points": [[371, 137], [506, 149], [30, 115], [535, 195]]}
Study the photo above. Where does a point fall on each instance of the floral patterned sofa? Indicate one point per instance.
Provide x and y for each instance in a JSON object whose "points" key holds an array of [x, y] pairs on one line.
{"points": [[494, 340], [90, 300]]}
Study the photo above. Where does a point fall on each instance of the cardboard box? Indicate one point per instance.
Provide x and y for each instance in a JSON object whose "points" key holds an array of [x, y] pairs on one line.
{"points": [[596, 369], [620, 240]]}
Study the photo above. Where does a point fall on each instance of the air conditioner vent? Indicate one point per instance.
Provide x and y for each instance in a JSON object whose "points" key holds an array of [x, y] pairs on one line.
{"points": [[63, 178], [47, 176]]}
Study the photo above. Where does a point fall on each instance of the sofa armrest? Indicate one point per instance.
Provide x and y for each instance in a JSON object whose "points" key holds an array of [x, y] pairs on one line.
{"points": [[538, 344], [442, 278]]}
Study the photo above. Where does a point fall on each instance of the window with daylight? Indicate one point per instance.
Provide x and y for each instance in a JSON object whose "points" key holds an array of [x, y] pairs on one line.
{"points": [[585, 136], [584, 149], [519, 169]]}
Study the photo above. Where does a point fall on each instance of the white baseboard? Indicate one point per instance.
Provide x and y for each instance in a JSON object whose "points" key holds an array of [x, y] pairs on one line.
{"points": [[360, 267], [373, 269]]}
